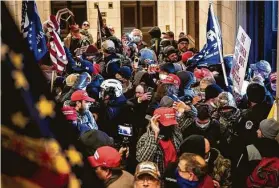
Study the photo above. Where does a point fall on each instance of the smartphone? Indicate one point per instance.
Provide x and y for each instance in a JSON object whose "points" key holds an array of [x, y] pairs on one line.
{"points": [[150, 89], [125, 130]]}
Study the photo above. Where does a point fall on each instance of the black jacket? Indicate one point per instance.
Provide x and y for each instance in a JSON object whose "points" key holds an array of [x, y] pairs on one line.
{"points": [[212, 132], [250, 158]]}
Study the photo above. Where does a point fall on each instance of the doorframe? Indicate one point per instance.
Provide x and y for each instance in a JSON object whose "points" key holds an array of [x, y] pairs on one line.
{"points": [[137, 20]]}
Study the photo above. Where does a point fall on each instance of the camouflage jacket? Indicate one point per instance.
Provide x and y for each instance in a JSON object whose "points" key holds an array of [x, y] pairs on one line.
{"points": [[221, 171]]}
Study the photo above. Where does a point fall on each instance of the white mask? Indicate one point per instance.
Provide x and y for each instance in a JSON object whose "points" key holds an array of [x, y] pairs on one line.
{"points": [[136, 39], [162, 76]]}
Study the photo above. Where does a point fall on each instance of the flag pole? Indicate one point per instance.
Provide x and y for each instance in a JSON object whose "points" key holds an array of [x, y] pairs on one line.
{"points": [[99, 25], [277, 81], [219, 45], [52, 80]]}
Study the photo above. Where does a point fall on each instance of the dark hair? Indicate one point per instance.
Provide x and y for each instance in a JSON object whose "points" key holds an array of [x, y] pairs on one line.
{"points": [[203, 111], [195, 164], [165, 90], [170, 34]]}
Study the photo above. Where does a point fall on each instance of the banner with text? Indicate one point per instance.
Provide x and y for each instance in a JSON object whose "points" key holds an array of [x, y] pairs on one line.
{"points": [[240, 59]]}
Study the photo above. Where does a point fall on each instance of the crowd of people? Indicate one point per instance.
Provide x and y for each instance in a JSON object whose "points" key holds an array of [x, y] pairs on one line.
{"points": [[145, 115]]}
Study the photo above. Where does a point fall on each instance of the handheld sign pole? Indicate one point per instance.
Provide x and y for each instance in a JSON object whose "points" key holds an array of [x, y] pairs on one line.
{"points": [[52, 81], [277, 81], [219, 45]]}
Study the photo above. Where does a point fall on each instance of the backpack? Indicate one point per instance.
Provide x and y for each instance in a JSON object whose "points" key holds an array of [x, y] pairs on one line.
{"points": [[266, 174]]}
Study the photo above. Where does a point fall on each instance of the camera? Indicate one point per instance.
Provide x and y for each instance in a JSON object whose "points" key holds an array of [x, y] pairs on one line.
{"points": [[126, 132], [150, 89]]}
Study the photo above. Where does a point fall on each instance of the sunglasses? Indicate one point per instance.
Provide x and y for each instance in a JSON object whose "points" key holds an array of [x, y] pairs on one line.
{"points": [[85, 24]]}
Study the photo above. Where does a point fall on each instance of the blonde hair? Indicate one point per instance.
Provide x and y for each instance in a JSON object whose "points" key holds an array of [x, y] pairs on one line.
{"points": [[136, 30]]}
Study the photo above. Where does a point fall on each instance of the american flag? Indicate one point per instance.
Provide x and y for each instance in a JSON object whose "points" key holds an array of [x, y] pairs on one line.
{"points": [[56, 49], [31, 28]]}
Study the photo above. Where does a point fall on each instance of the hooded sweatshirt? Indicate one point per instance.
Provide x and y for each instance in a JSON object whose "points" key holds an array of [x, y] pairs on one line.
{"points": [[187, 79]]}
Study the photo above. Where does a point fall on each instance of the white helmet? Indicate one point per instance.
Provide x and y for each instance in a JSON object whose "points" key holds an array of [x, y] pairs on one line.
{"points": [[112, 83]]}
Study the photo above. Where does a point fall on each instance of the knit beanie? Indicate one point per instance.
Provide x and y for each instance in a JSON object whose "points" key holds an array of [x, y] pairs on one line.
{"points": [[91, 140], [166, 101], [212, 91], [167, 67], [255, 93], [125, 72], [193, 144], [269, 128], [183, 39]]}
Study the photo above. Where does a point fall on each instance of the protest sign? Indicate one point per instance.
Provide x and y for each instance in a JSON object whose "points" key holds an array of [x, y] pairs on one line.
{"points": [[240, 59]]}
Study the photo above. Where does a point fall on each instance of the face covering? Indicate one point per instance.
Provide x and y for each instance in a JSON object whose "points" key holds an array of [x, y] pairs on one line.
{"points": [[202, 126], [136, 39], [273, 86], [183, 183], [162, 76]]}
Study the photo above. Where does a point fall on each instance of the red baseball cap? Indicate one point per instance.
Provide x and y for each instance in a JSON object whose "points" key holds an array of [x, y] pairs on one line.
{"points": [[186, 56], [172, 79], [167, 116], [70, 113], [80, 95], [203, 72], [105, 156]]}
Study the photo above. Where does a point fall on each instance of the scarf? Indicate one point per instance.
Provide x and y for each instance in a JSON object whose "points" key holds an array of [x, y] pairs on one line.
{"points": [[183, 183]]}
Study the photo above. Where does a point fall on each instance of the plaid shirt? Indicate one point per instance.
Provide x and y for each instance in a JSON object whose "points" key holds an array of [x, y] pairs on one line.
{"points": [[149, 149]]}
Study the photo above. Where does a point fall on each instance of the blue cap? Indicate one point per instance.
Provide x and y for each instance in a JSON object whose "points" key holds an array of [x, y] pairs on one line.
{"points": [[146, 54], [261, 66], [125, 72]]}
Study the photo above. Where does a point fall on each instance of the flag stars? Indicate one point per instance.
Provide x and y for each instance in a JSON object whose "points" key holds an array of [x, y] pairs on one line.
{"points": [[45, 107], [16, 60], [4, 51], [30, 29], [74, 156], [39, 50], [20, 80], [30, 35], [19, 120], [30, 41]]}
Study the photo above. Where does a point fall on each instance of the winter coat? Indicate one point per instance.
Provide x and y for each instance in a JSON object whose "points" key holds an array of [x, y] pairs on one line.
{"points": [[248, 125], [87, 34], [219, 168], [212, 132], [115, 113], [126, 180], [149, 149], [187, 79], [87, 119], [251, 157], [169, 178]]}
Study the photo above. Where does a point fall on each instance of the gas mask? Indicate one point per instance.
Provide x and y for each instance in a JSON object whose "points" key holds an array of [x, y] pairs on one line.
{"points": [[136, 39]]}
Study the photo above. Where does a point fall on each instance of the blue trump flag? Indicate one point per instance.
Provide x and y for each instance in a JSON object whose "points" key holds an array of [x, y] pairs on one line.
{"points": [[31, 28], [212, 51]]}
